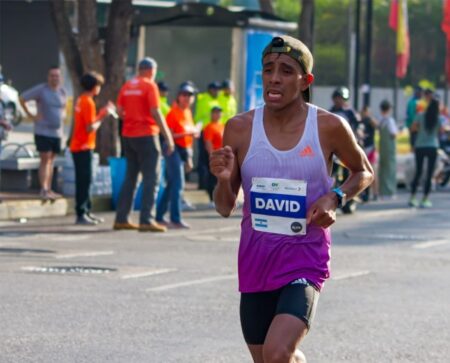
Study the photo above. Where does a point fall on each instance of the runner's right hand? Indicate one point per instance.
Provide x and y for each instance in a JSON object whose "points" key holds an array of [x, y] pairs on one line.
{"points": [[221, 162]]}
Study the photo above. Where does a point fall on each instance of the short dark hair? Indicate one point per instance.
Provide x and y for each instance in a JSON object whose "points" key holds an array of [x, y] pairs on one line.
{"points": [[91, 79], [385, 105], [53, 66]]}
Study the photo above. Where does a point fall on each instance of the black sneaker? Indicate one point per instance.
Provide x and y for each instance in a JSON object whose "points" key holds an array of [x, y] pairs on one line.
{"points": [[94, 217], [84, 220]]}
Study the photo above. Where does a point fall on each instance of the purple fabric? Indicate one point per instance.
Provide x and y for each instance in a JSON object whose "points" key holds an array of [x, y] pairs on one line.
{"points": [[268, 261]]}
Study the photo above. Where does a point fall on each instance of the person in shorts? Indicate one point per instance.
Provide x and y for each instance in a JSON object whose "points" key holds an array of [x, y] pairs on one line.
{"points": [[281, 154], [51, 99]]}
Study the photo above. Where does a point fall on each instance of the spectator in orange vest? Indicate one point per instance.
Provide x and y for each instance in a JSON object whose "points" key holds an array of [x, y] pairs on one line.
{"points": [[82, 144], [181, 124], [212, 138], [139, 106]]}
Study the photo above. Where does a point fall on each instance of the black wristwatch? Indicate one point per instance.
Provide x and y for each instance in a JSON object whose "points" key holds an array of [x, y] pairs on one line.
{"points": [[341, 197]]}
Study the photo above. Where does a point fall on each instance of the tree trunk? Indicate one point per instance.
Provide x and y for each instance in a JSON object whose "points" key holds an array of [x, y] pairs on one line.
{"points": [[116, 52], [266, 6], [67, 42], [306, 23], [88, 37], [84, 52]]}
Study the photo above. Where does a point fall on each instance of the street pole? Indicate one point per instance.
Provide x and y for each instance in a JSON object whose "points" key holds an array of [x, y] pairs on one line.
{"points": [[357, 46], [367, 68]]}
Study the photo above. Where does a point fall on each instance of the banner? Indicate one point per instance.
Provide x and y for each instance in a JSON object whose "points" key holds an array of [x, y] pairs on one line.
{"points": [[446, 29], [398, 21]]}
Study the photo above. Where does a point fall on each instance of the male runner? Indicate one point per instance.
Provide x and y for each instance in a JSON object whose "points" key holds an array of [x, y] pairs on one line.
{"points": [[282, 154]]}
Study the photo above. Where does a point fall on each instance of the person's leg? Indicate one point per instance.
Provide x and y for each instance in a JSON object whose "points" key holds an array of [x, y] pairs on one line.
{"points": [[44, 166], [294, 314], [162, 201], [257, 311], [419, 156], [285, 334], [176, 177], [55, 146], [148, 153], [431, 155], [212, 181], [129, 184]]}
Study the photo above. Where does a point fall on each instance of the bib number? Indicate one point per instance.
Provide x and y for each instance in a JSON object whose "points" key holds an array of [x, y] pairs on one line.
{"points": [[278, 206]]}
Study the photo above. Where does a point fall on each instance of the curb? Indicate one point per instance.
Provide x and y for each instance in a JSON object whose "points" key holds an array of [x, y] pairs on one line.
{"points": [[36, 208]]}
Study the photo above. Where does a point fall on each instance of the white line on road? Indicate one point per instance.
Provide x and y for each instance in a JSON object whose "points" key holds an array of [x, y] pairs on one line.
{"points": [[85, 254], [200, 238], [429, 244], [148, 273], [79, 237], [192, 282], [174, 233], [350, 275]]}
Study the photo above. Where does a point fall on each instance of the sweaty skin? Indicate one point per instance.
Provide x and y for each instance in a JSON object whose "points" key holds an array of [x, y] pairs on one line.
{"points": [[284, 122]]}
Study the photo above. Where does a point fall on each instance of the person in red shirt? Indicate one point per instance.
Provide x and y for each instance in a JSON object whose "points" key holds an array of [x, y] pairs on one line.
{"points": [[82, 144], [139, 107], [181, 124], [212, 139]]}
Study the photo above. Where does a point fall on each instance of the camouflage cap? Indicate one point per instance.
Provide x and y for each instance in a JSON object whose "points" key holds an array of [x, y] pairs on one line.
{"points": [[294, 48]]}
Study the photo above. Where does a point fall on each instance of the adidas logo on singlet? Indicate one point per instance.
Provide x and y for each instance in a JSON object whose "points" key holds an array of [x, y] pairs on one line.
{"points": [[307, 151]]}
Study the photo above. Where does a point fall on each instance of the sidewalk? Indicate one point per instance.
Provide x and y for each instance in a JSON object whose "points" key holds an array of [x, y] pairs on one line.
{"points": [[17, 205], [14, 206]]}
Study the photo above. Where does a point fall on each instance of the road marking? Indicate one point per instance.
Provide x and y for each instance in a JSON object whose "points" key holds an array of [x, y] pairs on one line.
{"points": [[350, 275], [192, 282], [80, 237], [148, 273], [85, 254], [385, 236], [174, 233], [199, 238], [429, 244]]}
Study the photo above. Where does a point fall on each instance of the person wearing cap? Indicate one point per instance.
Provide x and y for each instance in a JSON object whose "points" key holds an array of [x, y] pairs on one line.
{"points": [[163, 101], [82, 144], [227, 101], [340, 97], [212, 139], [205, 102], [51, 100], [281, 154], [181, 124], [387, 165], [411, 112], [139, 106]]}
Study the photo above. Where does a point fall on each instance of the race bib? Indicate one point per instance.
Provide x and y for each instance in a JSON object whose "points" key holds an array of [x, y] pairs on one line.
{"points": [[278, 206]]}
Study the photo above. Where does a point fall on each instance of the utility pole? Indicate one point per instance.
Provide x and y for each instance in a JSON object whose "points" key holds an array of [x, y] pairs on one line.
{"points": [[367, 68], [357, 48]]}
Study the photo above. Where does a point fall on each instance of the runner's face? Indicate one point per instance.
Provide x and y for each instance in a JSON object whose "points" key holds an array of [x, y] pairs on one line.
{"points": [[54, 78], [283, 80]]}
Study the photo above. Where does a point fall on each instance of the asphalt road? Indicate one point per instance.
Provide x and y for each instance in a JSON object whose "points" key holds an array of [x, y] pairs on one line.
{"points": [[173, 297]]}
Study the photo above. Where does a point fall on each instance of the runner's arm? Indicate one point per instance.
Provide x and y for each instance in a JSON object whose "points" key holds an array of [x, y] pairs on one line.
{"points": [[345, 147], [338, 138], [223, 164]]}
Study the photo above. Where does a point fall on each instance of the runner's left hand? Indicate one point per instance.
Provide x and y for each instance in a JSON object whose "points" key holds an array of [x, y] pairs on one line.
{"points": [[323, 212]]}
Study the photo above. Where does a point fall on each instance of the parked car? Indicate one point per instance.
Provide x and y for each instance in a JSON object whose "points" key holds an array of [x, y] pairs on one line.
{"points": [[12, 109]]}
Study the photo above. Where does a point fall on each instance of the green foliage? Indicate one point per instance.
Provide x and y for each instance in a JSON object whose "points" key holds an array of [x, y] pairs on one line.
{"points": [[330, 64], [333, 19], [287, 9]]}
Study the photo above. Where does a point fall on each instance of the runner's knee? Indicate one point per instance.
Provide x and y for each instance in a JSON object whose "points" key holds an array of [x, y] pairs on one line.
{"points": [[277, 353]]}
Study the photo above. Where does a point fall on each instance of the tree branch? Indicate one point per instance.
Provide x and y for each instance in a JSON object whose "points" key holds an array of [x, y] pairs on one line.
{"points": [[88, 39], [67, 41]]}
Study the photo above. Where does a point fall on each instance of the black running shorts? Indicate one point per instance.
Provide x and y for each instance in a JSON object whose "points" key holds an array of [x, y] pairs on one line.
{"points": [[47, 144], [258, 309]]}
